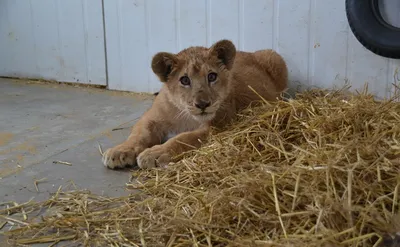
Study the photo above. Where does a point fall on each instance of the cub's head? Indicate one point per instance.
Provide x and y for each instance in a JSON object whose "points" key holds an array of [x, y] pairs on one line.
{"points": [[197, 78]]}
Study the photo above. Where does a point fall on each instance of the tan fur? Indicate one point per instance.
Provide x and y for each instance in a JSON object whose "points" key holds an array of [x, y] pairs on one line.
{"points": [[174, 110]]}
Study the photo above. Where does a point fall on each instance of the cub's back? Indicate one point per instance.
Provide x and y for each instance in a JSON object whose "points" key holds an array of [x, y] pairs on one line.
{"points": [[265, 71]]}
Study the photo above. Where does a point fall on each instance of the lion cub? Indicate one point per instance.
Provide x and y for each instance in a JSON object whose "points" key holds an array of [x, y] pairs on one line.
{"points": [[202, 87]]}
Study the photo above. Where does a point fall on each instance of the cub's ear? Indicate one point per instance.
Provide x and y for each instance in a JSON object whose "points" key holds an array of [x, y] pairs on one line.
{"points": [[162, 65], [225, 51]]}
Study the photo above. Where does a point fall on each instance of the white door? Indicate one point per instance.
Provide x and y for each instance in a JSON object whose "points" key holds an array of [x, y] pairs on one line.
{"points": [[60, 40]]}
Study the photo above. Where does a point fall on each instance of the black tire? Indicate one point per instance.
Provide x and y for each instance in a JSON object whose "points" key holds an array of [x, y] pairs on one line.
{"points": [[370, 28]]}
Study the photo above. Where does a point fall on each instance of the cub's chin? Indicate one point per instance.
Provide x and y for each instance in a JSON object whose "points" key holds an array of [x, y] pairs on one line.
{"points": [[204, 117]]}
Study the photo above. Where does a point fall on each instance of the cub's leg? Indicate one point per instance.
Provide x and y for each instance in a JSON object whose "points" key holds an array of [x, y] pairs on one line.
{"points": [[145, 133], [160, 155]]}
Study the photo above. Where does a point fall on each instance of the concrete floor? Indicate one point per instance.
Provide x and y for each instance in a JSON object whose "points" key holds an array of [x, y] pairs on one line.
{"points": [[43, 123]]}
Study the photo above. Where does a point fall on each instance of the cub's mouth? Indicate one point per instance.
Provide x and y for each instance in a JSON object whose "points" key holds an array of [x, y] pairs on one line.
{"points": [[204, 116], [205, 113], [202, 113]]}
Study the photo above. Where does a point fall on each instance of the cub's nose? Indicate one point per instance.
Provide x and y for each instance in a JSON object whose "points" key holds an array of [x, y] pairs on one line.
{"points": [[202, 104]]}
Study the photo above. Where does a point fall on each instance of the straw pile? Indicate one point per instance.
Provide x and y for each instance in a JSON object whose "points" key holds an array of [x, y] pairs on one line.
{"points": [[320, 170]]}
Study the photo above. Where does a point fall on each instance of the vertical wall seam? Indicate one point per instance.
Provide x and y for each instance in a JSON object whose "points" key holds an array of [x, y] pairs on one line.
{"points": [[177, 25], [85, 38], [147, 30], [33, 36], [105, 43], [59, 40], [120, 45], [275, 37], [241, 24], [388, 84], [311, 40], [348, 56], [273, 25], [346, 71], [208, 22]]}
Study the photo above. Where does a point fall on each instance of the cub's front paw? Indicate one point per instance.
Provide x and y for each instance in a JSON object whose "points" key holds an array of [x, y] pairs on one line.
{"points": [[120, 156], [156, 156]]}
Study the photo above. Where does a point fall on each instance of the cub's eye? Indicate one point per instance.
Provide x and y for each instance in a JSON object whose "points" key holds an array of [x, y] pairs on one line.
{"points": [[212, 77], [185, 81]]}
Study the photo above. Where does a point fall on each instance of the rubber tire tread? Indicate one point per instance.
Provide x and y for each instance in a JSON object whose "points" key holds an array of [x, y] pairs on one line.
{"points": [[371, 31]]}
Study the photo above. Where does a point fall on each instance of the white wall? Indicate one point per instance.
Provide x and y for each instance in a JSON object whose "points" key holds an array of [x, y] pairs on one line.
{"points": [[53, 39], [63, 40], [312, 35]]}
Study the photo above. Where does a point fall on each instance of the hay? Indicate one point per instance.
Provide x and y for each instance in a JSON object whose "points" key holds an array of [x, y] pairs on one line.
{"points": [[321, 170]]}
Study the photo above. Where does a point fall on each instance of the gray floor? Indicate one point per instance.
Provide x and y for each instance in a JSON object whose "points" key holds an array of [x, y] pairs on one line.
{"points": [[43, 123]]}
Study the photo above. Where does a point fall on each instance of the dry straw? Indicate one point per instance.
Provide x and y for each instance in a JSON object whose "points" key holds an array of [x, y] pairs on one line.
{"points": [[320, 170]]}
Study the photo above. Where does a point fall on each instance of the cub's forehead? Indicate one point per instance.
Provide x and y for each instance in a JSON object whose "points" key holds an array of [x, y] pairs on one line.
{"points": [[195, 66], [194, 60]]}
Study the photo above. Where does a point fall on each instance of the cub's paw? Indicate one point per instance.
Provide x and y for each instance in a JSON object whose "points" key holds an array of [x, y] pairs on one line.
{"points": [[156, 156], [120, 156]]}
